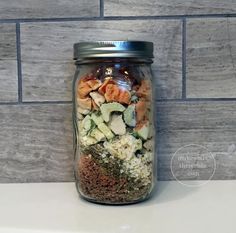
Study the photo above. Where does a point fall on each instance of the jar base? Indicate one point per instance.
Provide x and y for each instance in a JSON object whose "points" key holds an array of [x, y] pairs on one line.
{"points": [[94, 201]]}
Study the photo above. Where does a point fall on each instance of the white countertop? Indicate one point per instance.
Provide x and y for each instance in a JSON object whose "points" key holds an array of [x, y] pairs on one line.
{"points": [[56, 208]]}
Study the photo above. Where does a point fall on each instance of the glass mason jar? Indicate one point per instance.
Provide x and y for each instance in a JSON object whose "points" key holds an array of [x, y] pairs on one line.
{"points": [[114, 141]]}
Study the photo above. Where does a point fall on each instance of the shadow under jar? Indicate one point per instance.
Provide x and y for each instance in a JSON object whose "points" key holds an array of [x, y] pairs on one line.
{"points": [[114, 131]]}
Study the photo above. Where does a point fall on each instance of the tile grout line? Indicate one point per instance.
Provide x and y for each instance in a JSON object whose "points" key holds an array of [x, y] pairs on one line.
{"points": [[19, 69], [187, 100], [102, 8], [161, 17], [8, 103], [184, 59], [36, 103], [47, 102], [211, 99]]}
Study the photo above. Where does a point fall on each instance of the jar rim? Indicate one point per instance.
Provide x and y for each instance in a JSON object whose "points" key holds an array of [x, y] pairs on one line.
{"points": [[112, 49]]}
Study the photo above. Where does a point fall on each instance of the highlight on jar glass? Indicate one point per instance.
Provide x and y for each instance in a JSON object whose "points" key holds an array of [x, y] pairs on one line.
{"points": [[114, 133]]}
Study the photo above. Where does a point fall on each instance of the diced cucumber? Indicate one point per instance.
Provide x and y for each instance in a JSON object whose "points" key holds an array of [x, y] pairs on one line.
{"points": [[106, 109]]}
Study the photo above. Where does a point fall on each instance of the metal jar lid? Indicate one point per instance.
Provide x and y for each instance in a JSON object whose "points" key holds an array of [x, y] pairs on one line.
{"points": [[120, 49]]}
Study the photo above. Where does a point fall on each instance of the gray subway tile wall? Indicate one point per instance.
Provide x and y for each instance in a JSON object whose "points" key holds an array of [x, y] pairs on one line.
{"points": [[194, 79], [8, 63], [35, 142], [167, 7], [47, 50], [23, 9], [205, 123], [211, 56]]}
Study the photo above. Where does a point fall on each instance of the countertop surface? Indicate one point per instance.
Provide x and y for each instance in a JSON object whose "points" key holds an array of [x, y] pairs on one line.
{"points": [[175, 208]]}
